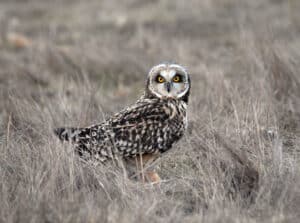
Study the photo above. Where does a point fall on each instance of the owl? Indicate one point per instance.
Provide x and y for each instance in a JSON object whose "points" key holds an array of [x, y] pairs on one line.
{"points": [[142, 132]]}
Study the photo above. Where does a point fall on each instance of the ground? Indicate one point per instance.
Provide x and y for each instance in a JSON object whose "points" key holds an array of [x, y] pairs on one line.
{"points": [[73, 63]]}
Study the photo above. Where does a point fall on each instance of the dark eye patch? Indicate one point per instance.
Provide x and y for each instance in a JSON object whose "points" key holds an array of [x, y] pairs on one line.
{"points": [[178, 78], [159, 79]]}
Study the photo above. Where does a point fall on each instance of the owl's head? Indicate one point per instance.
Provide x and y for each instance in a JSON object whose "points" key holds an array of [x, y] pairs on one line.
{"points": [[169, 81]]}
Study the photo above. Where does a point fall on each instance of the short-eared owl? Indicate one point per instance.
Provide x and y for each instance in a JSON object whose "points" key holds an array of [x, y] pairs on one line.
{"points": [[144, 130]]}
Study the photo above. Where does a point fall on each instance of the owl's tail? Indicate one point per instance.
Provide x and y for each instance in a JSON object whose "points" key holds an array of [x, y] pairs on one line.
{"points": [[67, 134]]}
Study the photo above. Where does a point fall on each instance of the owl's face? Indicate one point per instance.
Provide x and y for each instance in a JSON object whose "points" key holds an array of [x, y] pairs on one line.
{"points": [[168, 81]]}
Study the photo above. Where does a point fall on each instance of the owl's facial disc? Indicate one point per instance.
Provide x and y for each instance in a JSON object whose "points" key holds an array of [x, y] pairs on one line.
{"points": [[168, 81]]}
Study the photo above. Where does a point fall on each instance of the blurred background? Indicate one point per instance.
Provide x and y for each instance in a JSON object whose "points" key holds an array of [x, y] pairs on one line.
{"points": [[113, 44], [74, 62]]}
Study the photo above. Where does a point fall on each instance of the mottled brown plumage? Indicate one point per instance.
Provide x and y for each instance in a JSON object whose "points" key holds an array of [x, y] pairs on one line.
{"points": [[150, 126]]}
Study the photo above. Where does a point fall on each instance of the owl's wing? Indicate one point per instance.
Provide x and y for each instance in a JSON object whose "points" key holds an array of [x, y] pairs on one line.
{"points": [[142, 111], [141, 128], [88, 141], [135, 130]]}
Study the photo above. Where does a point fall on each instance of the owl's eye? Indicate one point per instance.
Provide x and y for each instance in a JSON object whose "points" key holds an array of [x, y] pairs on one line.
{"points": [[177, 78], [160, 79]]}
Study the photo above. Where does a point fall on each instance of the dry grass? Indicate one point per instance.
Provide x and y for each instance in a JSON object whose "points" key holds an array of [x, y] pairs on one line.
{"points": [[75, 62]]}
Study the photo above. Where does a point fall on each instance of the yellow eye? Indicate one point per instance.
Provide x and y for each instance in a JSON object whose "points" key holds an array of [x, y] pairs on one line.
{"points": [[176, 78], [160, 79]]}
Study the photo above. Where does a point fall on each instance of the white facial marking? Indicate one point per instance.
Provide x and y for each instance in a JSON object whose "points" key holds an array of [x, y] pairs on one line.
{"points": [[168, 72]]}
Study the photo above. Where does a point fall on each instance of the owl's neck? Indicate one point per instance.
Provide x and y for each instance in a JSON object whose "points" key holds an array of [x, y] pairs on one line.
{"points": [[149, 95]]}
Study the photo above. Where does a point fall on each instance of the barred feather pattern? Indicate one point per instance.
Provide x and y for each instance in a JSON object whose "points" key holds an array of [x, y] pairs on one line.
{"points": [[149, 126]]}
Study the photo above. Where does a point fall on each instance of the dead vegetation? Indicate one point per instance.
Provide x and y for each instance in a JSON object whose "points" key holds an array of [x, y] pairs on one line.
{"points": [[75, 62]]}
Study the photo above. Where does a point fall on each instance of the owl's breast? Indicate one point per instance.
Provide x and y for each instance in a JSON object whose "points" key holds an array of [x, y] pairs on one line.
{"points": [[178, 114], [176, 126]]}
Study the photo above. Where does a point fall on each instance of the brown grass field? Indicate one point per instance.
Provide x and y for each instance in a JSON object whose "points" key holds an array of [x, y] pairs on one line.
{"points": [[74, 63]]}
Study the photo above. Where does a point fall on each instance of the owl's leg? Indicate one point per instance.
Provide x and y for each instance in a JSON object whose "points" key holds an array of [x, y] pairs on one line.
{"points": [[152, 177], [144, 167]]}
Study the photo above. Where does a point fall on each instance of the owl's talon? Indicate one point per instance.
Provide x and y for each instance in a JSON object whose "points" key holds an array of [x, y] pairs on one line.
{"points": [[153, 177]]}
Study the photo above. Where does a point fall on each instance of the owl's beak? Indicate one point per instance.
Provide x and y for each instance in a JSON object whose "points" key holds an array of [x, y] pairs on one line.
{"points": [[168, 86]]}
